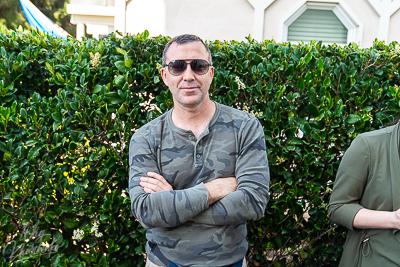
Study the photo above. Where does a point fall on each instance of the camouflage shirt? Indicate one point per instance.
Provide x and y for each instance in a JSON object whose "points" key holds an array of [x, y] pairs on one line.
{"points": [[233, 144]]}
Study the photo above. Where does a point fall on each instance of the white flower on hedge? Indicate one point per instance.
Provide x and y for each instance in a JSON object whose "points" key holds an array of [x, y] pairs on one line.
{"points": [[78, 234], [240, 84], [95, 229], [113, 116], [95, 59], [98, 234], [114, 145]]}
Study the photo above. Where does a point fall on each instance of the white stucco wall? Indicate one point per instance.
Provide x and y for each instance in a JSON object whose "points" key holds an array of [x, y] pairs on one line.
{"points": [[234, 19], [273, 16], [368, 16], [209, 19], [394, 33], [144, 15]]}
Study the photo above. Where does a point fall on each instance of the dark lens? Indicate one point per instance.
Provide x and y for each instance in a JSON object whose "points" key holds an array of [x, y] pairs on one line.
{"points": [[199, 66], [176, 67]]}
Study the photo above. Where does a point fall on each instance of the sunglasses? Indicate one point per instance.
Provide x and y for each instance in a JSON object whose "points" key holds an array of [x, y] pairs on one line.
{"points": [[198, 66]]}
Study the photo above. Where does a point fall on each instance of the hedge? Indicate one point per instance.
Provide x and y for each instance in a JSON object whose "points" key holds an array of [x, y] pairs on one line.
{"points": [[69, 108]]}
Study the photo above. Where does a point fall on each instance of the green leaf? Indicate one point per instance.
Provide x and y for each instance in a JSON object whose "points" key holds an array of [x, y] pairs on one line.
{"points": [[50, 68], [122, 110], [122, 51], [313, 110], [128, 62], [59, 77], [308, 57], [121, 66], [3, 147], [7, 156], [23, 113], [82, 79], [58, 238], [56, 117], [51, 214], [31, 142], [70, 223], [33, 152], [18, 151], [145, 34], [72, 146], [86, 257], [3, 52], [300, 83], [119, 81], [97, 88], [104, 217], [16, 65], [113, 98], [103, 262], [320, 64], [327, 82], [74, 105], [352, 118]]}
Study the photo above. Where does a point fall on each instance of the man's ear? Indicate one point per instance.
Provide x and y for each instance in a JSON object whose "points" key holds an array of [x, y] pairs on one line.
{"points": [[211, 72], [164, 76]]}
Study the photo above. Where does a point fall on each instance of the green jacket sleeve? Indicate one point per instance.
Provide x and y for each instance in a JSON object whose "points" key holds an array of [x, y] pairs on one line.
{"points": [[350, 182]]}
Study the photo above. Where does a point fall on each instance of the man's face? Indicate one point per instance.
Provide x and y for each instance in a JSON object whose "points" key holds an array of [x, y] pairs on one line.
{"points": [[188, 89]]}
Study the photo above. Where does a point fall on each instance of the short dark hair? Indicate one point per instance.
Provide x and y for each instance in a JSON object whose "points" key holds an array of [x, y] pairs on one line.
{"points": [[182, 39]]}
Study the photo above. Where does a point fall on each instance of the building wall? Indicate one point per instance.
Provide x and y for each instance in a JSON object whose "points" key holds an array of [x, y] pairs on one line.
{"points": [[394, 33], [144, 15], [368, 16], [281, 9], [209, 19], [226, 19], [274, 15]]}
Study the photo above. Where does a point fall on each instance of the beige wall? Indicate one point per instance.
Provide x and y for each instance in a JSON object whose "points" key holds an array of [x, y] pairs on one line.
{"points": [[209, 19], [273, 16], [394, 28], [144, 15], [368, 16], [233, 19]]}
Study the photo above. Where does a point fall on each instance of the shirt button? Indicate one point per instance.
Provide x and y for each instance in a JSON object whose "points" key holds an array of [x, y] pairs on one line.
{"points": [[198, 156]]}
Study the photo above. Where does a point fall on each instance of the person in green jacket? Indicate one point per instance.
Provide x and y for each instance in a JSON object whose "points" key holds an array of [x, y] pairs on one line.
{"points": [[366, 199]]}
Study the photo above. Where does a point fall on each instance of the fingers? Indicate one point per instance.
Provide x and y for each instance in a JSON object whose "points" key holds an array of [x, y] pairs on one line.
{"points": [[159, 178], [154, 183]]}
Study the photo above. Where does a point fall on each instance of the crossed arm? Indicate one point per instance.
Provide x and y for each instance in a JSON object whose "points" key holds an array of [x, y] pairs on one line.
{"points": [[221, 201], [216, 189]]}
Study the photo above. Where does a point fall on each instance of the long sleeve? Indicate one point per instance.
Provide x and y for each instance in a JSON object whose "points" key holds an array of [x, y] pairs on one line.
{"points": [[160, 209], [350, 183], [249, 201]]}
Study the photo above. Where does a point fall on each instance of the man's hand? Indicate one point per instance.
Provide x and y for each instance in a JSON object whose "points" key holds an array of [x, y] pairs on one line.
{"points": [[155, 183], [220, 187]]}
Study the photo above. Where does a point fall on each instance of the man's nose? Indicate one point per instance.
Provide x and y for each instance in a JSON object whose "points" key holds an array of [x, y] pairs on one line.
{"points": [[188, 74]]}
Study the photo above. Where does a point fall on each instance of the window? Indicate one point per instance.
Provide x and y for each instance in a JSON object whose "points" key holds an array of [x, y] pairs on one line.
{"points": [[315, 24], [331, 22]]}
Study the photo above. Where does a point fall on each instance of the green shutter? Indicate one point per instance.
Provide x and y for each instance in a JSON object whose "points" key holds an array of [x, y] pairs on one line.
{"points": [[319, 25]]}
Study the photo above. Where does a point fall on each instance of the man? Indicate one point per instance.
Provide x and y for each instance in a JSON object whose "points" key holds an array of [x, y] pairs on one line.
{"points": [[199, 171]]}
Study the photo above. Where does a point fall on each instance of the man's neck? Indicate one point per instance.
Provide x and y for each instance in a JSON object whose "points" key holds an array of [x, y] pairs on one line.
{"points": [[195, 119]]}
